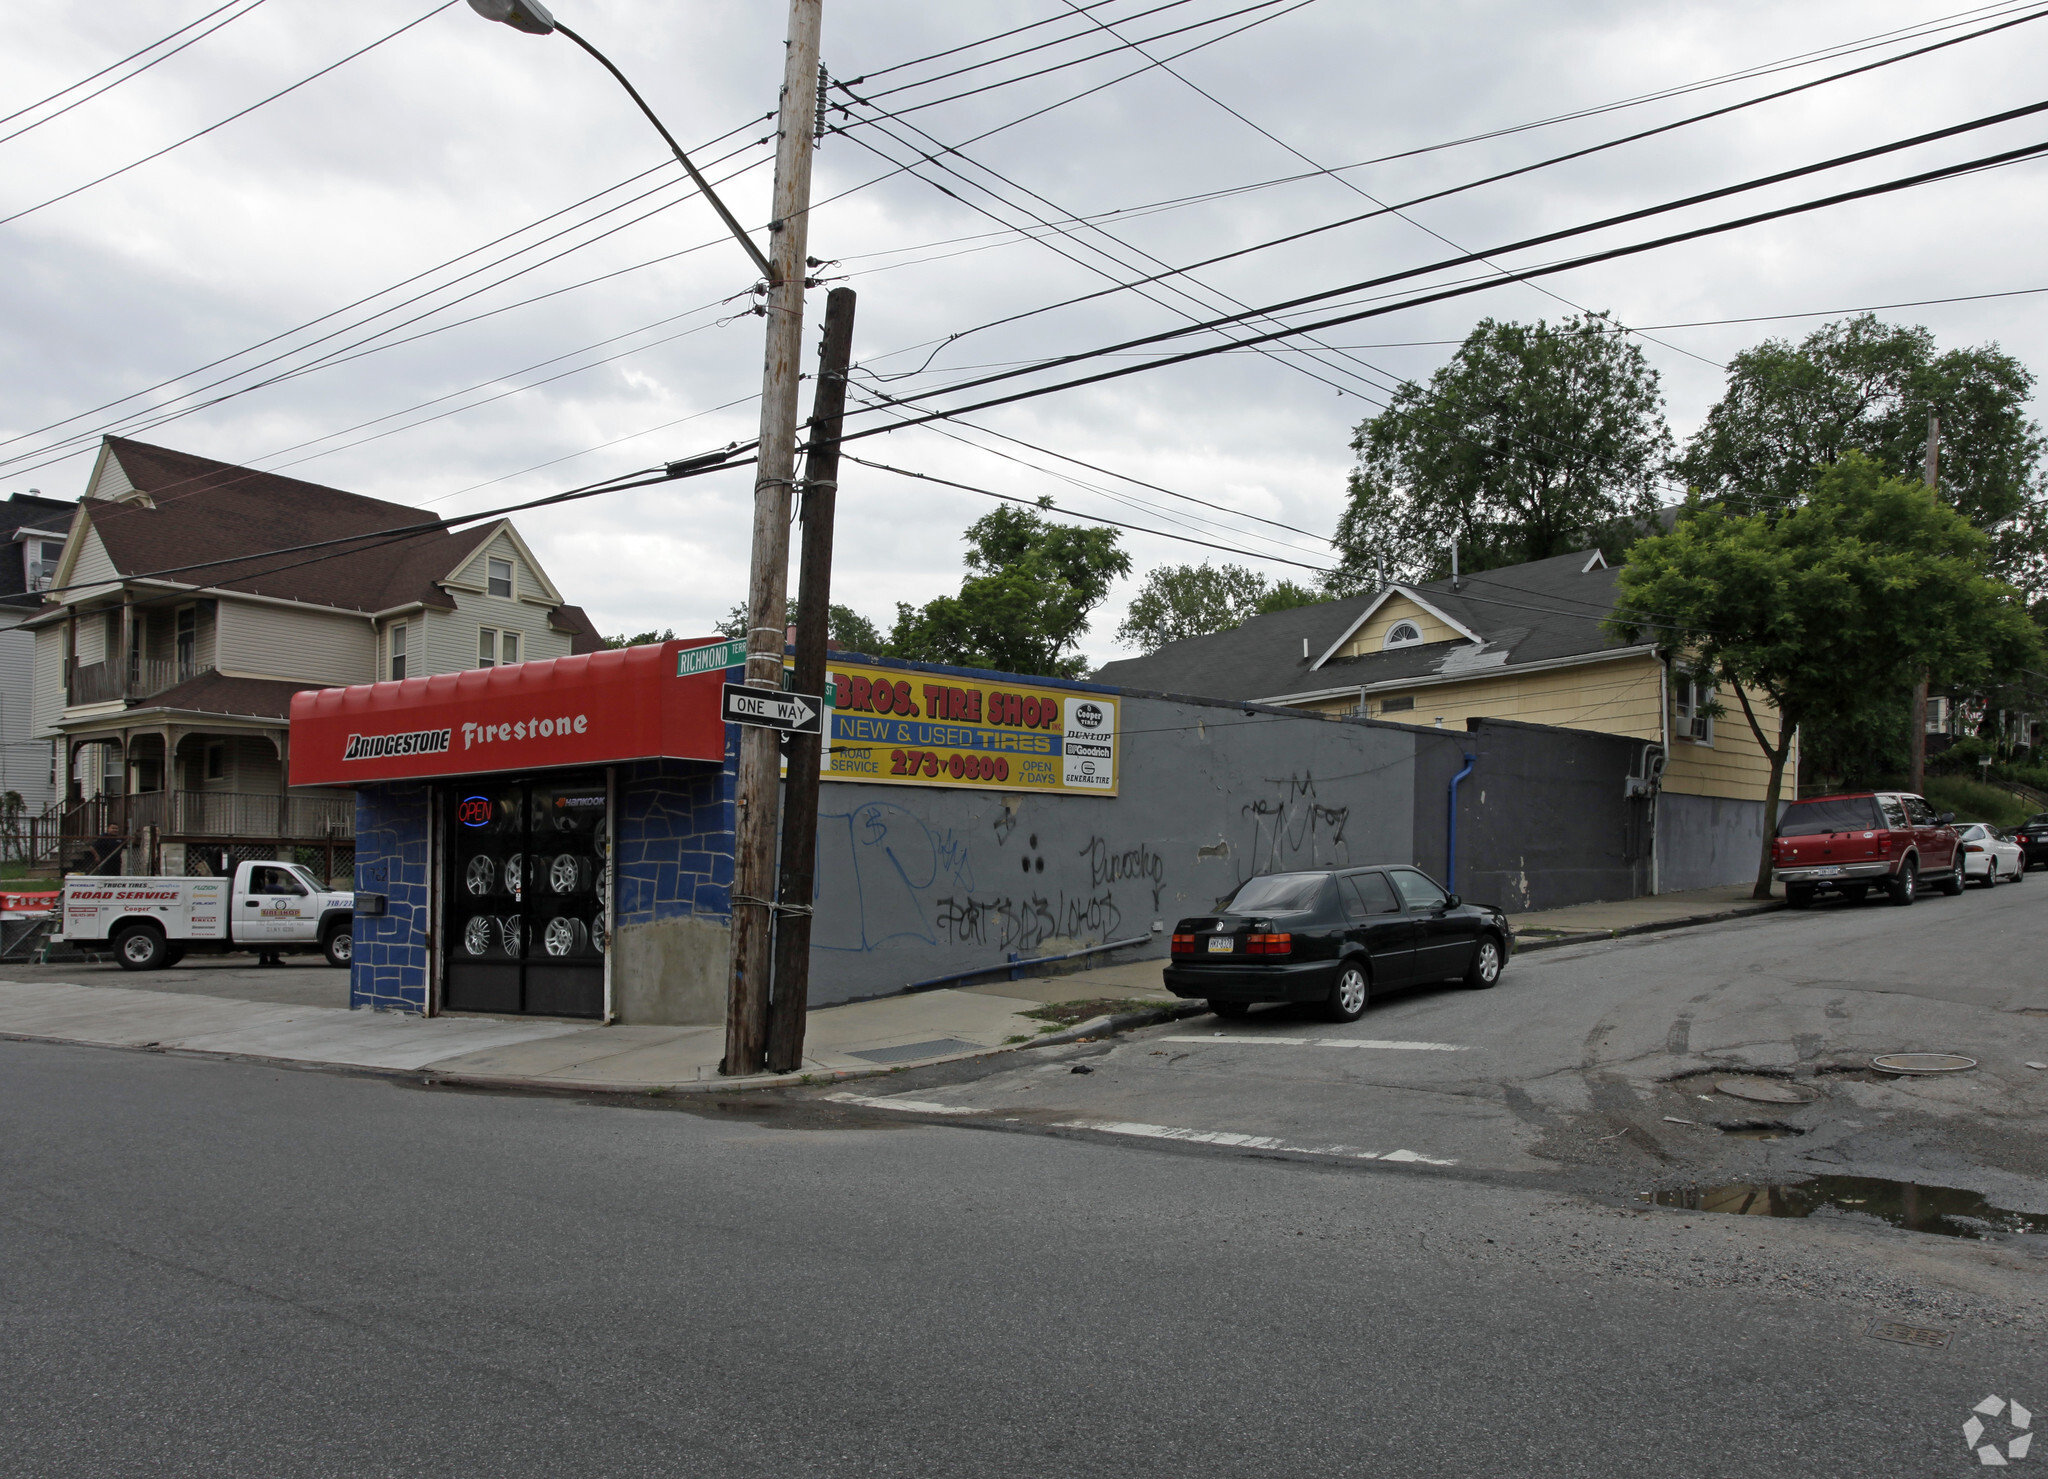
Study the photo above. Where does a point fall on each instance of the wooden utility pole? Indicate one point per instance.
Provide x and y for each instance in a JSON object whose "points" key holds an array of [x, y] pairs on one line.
{"points": [[1916, 740], [796, 888], [755, 801]]}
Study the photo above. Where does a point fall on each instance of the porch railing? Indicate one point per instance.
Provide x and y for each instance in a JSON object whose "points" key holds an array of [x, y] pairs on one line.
{"points": [[106, 682], [73, 834]]}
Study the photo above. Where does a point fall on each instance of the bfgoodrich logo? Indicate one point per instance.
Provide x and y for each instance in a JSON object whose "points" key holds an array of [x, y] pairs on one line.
{"points": [[383, 746]]}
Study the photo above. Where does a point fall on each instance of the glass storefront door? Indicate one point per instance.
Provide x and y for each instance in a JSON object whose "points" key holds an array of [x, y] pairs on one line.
{"points": [[528, 909]]}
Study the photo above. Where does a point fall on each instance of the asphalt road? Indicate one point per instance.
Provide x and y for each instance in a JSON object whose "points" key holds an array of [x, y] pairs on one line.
{"points": [[1602, 1061], [224, 1268]]}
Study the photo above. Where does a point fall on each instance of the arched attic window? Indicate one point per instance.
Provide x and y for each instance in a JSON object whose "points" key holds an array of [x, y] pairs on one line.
{"points": [[1402, 634]]}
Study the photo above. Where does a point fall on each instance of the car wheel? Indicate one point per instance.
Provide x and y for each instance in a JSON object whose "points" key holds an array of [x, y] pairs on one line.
{"points": [[1486, 964], [1230, 1009], [1798, 896], [141, 947], [1347, 999], [1904, 884], [1990, 879], [339, 947], [1952, 882]]}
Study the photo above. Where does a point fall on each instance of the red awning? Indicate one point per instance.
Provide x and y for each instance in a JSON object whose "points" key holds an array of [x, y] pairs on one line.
{"points": [[594, 709]]}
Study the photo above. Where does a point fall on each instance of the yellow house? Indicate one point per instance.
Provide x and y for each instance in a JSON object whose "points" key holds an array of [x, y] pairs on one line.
{"points": [[1522, 643]]}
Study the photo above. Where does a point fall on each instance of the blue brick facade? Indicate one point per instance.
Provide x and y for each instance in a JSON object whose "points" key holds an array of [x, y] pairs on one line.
{"points": [[393, 825], [674, 847], [674, 841]]}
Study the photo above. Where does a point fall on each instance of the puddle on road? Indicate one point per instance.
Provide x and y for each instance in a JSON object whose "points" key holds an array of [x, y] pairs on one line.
{"points": [[1930, 1209]]}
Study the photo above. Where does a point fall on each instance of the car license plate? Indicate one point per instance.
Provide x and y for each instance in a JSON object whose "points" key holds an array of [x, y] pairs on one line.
{"points": [[1221, 944], [1827, 872]]}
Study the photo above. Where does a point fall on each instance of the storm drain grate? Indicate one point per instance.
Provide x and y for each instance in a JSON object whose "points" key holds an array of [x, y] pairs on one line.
{"points": [[938, 1047], [1919, 1335]]}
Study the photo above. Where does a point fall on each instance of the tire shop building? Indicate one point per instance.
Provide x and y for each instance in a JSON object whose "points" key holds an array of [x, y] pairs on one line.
{"points": [[556, 837]]}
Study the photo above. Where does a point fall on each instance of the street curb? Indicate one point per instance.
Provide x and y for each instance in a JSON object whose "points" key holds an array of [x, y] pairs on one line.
{"points": [[1117, 1022], [1582, 937], [653, 1088]]}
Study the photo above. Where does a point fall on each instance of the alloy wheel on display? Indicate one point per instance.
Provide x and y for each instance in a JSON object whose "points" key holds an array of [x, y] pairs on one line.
{"points": [[476, 935], [481, 876]]}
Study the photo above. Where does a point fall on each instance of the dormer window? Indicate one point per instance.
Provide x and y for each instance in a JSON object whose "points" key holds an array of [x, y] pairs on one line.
{"points": [[1402, 634], [498, 580]]}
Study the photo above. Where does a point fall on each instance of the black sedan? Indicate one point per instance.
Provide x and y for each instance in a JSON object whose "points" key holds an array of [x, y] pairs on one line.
{"points": [[2033, 840], [1334, 937]]}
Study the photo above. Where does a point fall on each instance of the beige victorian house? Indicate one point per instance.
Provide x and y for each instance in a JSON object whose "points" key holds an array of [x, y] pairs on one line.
{"points": [[183, 616]]}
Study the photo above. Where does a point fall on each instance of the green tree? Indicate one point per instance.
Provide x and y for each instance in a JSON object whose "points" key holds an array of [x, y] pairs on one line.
{"points": [[1532, 441], [843, 625], [641, 639], [1181, 601], [1025, 602], [1825, 606], [1866, 386], [1285, 595]]}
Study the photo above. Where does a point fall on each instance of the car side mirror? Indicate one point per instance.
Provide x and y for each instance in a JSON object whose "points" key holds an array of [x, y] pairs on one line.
{"points": [[1945, 818], [1452, 902]]}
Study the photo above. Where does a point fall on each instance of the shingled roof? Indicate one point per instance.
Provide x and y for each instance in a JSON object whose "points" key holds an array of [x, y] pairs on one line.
{"points": [[1543, 611], [224, 520]]}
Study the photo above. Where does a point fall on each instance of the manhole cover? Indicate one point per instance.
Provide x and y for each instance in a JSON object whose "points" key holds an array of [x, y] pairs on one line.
{"points": [[1766, 1091], [1923, 1063]]}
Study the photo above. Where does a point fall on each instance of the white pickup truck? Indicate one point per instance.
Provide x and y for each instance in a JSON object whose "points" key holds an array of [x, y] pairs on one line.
{"points": [[271, 908]]}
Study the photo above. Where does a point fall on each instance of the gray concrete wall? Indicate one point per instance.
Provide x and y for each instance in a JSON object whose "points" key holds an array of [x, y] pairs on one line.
{"points": [[1544, 820], [916, 882], [1705, 840], [671, 972]]}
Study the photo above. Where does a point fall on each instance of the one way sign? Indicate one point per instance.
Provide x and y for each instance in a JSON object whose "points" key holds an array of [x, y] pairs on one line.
{"points": [[793, 713]]}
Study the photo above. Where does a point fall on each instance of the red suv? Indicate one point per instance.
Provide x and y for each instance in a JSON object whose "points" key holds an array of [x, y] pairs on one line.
{"points": [[1854, 842]]}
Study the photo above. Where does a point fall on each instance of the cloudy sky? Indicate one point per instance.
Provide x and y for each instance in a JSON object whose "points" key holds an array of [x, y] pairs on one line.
{"points": [[482, 280]]}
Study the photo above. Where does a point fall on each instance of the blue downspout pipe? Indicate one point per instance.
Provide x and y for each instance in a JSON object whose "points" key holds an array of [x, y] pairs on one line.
{"points": [[1451, 840]]}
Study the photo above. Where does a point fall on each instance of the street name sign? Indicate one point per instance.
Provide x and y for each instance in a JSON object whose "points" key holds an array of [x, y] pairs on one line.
{"points": [[793, 713], [719, 655]]}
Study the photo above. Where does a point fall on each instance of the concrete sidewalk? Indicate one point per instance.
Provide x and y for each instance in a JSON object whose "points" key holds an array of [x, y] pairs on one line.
{"points": [[1542, 928], [848, 1041], [275, 1015]]}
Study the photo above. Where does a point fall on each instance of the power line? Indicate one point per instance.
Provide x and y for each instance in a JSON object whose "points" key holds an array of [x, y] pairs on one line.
{"points": [[1049, 506], [1384, 209], [79, 102], [159, 415], [1426, 269], [223, 123]]}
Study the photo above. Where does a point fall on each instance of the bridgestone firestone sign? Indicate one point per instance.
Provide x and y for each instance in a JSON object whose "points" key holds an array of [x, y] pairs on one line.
{"points": [[385, 746]]}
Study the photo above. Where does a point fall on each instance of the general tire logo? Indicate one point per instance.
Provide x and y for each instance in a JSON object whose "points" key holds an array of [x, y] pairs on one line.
{"points": [[1987, 1419], [386, 746]]}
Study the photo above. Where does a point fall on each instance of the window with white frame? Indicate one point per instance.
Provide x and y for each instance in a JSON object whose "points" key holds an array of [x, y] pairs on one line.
{"points": [[498, 577], [1693, 701], [400, 636], [486, 647], [1401, 634], [508, 648]]}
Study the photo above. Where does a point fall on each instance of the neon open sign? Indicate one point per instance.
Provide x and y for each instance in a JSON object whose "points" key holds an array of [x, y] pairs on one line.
{"points": [[474, 811]]}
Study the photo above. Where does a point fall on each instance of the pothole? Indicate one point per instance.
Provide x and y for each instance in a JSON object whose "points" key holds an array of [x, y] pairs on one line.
{"points": [[1759, 1130], [1946, 1210]]}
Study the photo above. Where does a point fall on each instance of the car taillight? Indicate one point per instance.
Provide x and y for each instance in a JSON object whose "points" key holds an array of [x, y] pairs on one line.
{"points": [[1183, 944], [1971, 847], [1269, 945], [1884, 843]]}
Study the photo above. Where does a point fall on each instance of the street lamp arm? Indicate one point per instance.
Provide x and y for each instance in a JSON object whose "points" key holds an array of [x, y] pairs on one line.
{"points": [[702, 184]]}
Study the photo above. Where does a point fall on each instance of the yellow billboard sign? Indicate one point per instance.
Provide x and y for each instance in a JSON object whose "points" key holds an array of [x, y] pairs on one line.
{"points": [[899, 727]]}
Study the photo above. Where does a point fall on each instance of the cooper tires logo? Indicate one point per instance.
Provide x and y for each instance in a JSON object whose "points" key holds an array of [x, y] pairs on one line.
{"points": [[1088, 716], [1997, 1419]]}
